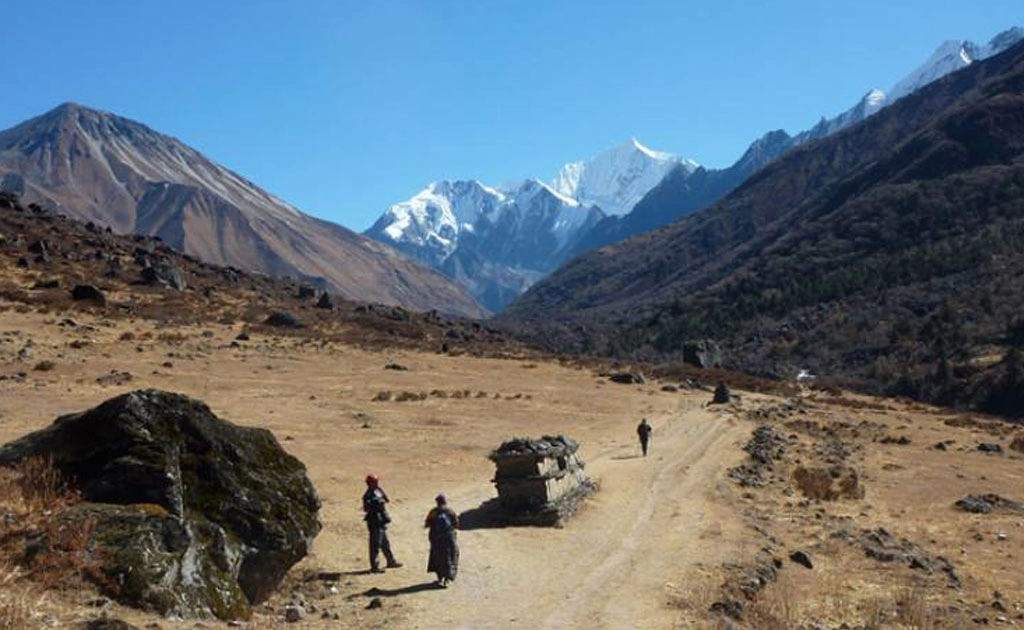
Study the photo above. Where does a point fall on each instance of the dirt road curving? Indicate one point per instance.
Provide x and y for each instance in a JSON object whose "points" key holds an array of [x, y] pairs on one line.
{"points": [[614, 565]]}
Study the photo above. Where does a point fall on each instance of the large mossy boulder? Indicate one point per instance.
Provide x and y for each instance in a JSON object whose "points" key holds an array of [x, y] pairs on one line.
{"points": [[187, 514]]}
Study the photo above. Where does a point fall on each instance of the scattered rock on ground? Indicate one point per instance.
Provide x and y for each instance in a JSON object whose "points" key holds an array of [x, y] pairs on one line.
{"points": [[325, 301], [765, 448], [987, 504], [901, 440], [627, 378], [106, 623], [52, 283], [879, 544], [283, 319], [88, 293], [722, 395], [294, 613], [988, 447], [802, 558], [115, 377]]}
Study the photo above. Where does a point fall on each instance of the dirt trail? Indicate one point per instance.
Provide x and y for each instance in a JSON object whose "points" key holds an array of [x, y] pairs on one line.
{"points": [[612, 565]]}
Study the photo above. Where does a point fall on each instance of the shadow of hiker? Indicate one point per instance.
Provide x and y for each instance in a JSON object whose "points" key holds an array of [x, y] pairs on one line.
{"points": [[622, 457], [335, 576], [405, 590], [488, 515]]}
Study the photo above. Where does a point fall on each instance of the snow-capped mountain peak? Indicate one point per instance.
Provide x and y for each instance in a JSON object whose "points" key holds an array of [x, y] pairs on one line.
{"points": [[950, 56], [616, 179]]}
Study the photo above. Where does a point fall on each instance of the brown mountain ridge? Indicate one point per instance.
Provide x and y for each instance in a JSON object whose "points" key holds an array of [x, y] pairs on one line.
{"points": [[97, 166]]}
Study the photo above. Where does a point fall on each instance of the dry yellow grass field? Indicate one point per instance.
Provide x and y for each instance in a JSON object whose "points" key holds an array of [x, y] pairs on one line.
{"points": [[652, 549]]}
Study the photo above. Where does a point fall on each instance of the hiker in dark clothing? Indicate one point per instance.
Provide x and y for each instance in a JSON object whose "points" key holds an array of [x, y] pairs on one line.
{"points": [[375, 502], [644, 430], [442, 523]]}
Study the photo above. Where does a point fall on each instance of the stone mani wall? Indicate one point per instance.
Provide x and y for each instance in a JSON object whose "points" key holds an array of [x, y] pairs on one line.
{"points": [[530, 482]]}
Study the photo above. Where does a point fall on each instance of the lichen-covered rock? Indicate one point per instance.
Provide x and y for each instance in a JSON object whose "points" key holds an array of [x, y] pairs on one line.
{"points": [[188, 514]]}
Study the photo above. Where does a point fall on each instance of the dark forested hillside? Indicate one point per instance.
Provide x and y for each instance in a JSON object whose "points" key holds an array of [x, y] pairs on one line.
{"points": [[890, 254]]}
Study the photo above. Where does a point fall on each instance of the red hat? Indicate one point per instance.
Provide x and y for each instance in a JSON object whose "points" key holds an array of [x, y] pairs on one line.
{"points": [[372, 479]]}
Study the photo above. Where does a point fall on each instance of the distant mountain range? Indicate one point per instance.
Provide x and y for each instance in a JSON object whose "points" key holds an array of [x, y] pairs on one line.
{"points": [[96, 166], [485, 244], [684, 191], [619, 193], [497, 241], [889, 253]]}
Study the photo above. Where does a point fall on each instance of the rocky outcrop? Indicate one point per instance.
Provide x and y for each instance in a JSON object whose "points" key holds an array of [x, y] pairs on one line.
{"points": [[987, 504], [703, 354], [162, 272], [187, 514]]}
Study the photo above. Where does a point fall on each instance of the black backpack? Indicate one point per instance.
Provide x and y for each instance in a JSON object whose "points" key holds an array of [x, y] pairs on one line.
{"points": [[442, 525]]}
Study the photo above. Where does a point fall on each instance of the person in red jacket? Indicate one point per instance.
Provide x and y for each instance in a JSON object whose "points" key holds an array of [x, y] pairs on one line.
{"points": [[375, 502]]}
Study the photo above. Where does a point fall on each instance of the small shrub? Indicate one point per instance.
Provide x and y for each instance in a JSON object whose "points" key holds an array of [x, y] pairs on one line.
{"points": [[382, 396], [45, 366], [42, 486], [66, 554], [407, 396], [17, 601], [172, 339]]}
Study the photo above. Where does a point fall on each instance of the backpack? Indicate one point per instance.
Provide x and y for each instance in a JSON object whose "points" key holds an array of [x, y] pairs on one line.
{"points": [[442, 524]]}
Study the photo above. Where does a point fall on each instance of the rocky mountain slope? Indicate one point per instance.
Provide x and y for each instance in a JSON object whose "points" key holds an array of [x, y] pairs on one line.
{"points": [[684, 191], [52, 261], [889, 253], [100, 167], [497, 241]]}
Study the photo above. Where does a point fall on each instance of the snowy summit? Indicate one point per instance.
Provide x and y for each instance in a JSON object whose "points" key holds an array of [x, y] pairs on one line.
{"points": [[616, 179]]}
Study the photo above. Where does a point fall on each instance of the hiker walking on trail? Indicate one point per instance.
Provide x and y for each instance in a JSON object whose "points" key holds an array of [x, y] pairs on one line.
{"points": [[643, 431], [442, 523], [375, 502]]}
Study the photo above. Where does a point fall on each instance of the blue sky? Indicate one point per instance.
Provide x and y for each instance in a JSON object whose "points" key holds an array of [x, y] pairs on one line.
{"points": [[345, 107]]}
